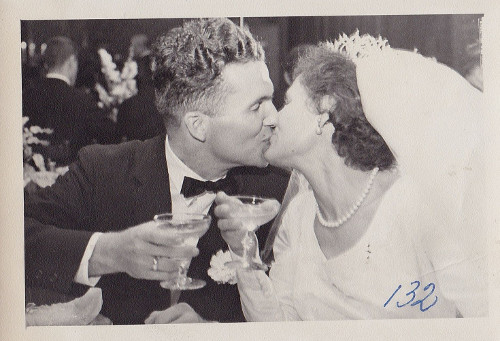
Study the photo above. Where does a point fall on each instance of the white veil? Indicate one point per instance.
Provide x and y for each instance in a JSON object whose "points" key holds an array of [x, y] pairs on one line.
{"points": [[431, 118]]}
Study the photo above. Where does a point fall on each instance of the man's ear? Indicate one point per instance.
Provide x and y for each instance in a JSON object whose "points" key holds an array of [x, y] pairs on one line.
{"points": [[196, 123]]}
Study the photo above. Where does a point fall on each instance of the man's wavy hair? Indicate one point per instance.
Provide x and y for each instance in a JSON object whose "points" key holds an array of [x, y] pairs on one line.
{"points": [[326, 72], [188, 62]]}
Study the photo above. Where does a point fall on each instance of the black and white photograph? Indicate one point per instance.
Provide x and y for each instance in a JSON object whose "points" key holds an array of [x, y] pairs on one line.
{"points": [[274, 176]]}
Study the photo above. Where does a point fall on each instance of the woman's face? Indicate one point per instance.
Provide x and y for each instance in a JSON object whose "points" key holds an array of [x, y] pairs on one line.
{"points": [[295, 126]]}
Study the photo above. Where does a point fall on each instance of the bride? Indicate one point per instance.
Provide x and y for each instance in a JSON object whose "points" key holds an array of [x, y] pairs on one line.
{"points": [[386, 221]]}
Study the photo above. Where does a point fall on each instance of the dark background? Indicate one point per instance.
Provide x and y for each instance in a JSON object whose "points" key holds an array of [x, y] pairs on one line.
{"points": [[444, 37]]}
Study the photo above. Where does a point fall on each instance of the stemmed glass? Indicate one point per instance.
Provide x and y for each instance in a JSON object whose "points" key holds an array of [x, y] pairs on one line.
{"points": [[254, 211], [185, 229]]}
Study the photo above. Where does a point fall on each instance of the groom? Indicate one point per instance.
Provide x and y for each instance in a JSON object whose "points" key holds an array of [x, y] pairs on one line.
{"points": [[93, 227]]}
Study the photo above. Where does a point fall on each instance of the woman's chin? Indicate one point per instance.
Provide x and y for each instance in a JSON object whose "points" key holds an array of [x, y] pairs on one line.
{"points": [[273, 156]]}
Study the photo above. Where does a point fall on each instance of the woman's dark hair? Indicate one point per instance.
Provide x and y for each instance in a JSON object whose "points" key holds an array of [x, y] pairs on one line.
{"points": [[326, 72]]}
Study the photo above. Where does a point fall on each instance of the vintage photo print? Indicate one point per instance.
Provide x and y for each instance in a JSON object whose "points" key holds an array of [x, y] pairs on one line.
{"points": [[373, 127]]}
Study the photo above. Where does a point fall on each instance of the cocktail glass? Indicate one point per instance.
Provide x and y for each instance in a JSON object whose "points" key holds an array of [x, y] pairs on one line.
{"points": [[185, 229], [254, 212]]}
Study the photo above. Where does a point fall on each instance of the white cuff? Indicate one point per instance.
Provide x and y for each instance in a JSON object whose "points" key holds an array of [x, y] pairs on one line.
{"points": [[82, 275]]}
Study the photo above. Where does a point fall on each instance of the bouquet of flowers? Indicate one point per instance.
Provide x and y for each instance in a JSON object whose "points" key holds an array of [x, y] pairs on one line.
{"points": [[37, 172], [119, 85]]}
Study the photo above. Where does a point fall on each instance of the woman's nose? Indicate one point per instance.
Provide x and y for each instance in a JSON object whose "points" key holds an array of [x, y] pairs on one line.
{"points": [[271, 118]]}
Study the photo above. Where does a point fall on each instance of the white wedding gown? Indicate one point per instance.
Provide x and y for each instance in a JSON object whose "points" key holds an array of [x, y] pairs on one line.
{"points": [[429, 227]]}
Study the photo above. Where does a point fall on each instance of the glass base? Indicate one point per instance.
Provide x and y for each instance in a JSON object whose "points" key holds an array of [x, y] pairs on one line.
{"points": [[184, 284], [236, 264]]}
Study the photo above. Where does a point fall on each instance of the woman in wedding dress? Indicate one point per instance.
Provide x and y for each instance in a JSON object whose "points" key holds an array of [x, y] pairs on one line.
{"points": [[387, 218]]}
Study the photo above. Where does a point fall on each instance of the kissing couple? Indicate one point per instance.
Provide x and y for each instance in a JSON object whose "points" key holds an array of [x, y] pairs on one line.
{"points": [[378, 220]]}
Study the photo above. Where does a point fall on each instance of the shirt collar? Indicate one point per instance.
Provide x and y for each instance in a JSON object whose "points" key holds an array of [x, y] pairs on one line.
{"points": [[177, 170], [58, 76]]}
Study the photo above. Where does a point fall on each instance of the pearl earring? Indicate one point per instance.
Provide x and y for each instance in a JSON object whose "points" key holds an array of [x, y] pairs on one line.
{"points": [[318, 128]]}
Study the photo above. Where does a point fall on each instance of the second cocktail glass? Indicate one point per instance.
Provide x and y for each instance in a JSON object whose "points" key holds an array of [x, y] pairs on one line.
{"points": [[254, 211]]}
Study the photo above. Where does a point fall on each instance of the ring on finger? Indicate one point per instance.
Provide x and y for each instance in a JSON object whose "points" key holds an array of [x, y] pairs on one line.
{"points": [[155, 263]]}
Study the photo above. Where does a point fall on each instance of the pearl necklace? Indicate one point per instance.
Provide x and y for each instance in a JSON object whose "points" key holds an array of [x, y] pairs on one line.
{"points": [[353, 209]]}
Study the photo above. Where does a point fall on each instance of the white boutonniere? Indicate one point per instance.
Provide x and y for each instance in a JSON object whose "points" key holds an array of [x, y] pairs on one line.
{"points": [[218, 271]]}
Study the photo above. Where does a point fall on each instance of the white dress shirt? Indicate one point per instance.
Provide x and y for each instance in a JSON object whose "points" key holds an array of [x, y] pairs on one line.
{"points": [[58, 76], [177, 170]]}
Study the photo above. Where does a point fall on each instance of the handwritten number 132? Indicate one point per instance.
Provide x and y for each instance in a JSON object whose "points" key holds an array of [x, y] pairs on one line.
{"points": [[411, 294]]}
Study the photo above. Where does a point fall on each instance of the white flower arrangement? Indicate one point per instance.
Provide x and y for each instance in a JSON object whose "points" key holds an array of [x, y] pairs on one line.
{"points": [[218, 271], [39, 175], [29, 138], [121, 85]]}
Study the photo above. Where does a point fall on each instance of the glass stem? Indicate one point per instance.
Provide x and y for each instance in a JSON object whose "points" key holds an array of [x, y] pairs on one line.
{"points": [[183, 269], [247, 242]]}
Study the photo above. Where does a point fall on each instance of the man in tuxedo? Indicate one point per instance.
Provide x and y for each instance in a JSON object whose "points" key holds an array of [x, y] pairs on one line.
{"points": [[94, 226], [140, 52], [138, 118], [53, 102]]}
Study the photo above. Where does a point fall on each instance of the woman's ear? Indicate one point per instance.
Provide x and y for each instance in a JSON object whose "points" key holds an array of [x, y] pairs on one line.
{"points": [[196, 123], [327, 104]]}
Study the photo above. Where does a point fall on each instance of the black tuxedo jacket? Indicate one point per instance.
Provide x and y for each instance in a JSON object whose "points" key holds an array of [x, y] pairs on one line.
{"points": [[110, 188], [74, 116]]}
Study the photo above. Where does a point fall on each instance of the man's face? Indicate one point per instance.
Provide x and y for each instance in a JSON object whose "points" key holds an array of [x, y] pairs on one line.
{"points": [[236, 135]]}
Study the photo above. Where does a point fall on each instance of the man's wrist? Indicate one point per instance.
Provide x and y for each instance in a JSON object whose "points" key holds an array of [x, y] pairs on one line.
{"points": [[102, 262], [238, 251], [82, 275]]}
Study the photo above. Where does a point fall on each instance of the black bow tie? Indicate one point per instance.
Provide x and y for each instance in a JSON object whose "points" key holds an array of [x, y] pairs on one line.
{"points": [[192, 187]]}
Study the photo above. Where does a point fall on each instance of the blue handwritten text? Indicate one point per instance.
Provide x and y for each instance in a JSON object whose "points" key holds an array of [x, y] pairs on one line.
{"points": [[412, 294]]}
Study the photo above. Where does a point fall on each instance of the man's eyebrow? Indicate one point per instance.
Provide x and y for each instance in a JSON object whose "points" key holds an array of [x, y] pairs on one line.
{"points": [[262, 98]]}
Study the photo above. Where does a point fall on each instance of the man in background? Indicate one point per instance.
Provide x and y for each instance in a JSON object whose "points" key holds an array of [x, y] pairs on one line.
{"points": [[53, 102], [138, 118], [141, 53]]}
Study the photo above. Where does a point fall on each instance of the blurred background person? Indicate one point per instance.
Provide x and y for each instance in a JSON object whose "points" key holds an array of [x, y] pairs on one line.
{"points": [[138, 118], [140, 52], [54, 102]]}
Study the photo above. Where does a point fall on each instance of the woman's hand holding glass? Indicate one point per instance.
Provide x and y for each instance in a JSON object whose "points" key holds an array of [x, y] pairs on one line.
{"points": [[239, 217]]}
